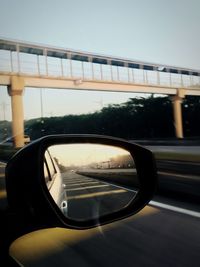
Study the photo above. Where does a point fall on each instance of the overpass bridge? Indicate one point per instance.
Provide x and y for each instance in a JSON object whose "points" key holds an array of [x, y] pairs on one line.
{"points": [[25, 65]]}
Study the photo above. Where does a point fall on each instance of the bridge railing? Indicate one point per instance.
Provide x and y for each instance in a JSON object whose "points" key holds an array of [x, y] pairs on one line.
{"points": [[14, 62]]}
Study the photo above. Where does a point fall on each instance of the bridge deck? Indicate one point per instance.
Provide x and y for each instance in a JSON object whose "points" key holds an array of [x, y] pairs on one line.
{"points": [[61, 68]]}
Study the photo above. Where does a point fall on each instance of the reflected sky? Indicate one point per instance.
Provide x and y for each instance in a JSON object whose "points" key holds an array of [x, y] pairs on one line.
{"points": [[83, 154]]}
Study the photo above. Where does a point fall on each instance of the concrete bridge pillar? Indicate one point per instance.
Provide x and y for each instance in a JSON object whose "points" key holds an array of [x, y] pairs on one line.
{"points": [[177, 108], [15, 90]]}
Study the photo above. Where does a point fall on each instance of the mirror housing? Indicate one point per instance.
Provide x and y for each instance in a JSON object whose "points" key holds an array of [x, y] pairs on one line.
{"points": [[28, 194]]}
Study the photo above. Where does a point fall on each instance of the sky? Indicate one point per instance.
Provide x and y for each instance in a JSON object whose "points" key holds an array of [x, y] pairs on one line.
{"points": [[82, 154], [158, 31]]}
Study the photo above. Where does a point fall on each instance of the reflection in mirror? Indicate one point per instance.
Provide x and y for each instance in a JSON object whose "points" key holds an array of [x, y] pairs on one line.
{"points": [[87, 181]]}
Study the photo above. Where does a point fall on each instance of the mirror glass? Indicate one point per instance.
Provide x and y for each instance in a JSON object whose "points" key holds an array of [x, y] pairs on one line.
{"points": [[87, 181]]}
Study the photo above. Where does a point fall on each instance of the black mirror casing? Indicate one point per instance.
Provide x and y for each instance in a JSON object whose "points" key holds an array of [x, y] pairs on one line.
{"points": [[28, 195]]}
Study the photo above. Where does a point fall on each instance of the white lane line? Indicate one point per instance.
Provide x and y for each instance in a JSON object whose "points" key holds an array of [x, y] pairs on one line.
{"points": [[80, 184], [87, 187], [196, 177], [99, 194], [177, 209], [77, 180]]}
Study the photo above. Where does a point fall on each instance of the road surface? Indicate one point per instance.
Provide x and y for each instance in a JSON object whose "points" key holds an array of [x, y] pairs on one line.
{"points": [[154, 237], [176, 149]]}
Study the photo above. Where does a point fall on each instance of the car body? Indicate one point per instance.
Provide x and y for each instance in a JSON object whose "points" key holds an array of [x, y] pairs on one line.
{"points": [[54, 182]]}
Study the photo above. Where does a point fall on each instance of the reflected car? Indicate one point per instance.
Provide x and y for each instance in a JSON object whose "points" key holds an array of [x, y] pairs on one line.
{"points": [[54, 182]]}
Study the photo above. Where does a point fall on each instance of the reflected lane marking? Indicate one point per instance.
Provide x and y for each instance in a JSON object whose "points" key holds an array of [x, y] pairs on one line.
{"points": [[87, 187], [174, 208], [82, 183], [97, 194]]}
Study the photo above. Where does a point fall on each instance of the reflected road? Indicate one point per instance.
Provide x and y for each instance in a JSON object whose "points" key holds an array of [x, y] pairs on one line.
{"points": [[90, 198]]}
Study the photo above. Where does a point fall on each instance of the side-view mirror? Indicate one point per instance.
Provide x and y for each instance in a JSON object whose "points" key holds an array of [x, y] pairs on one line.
{"points": [[80, 181]]}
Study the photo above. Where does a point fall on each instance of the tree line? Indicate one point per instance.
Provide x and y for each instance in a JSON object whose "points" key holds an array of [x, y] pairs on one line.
{"points": [[138, 118], [142, 117]]}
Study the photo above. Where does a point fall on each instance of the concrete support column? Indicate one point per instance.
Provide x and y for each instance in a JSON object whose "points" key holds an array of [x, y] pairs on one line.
{"points": [[177, 101], [15, 90]]}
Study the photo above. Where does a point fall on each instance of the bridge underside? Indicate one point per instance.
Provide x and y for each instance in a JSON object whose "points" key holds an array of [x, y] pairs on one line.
{"points": [[95, 85]]}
